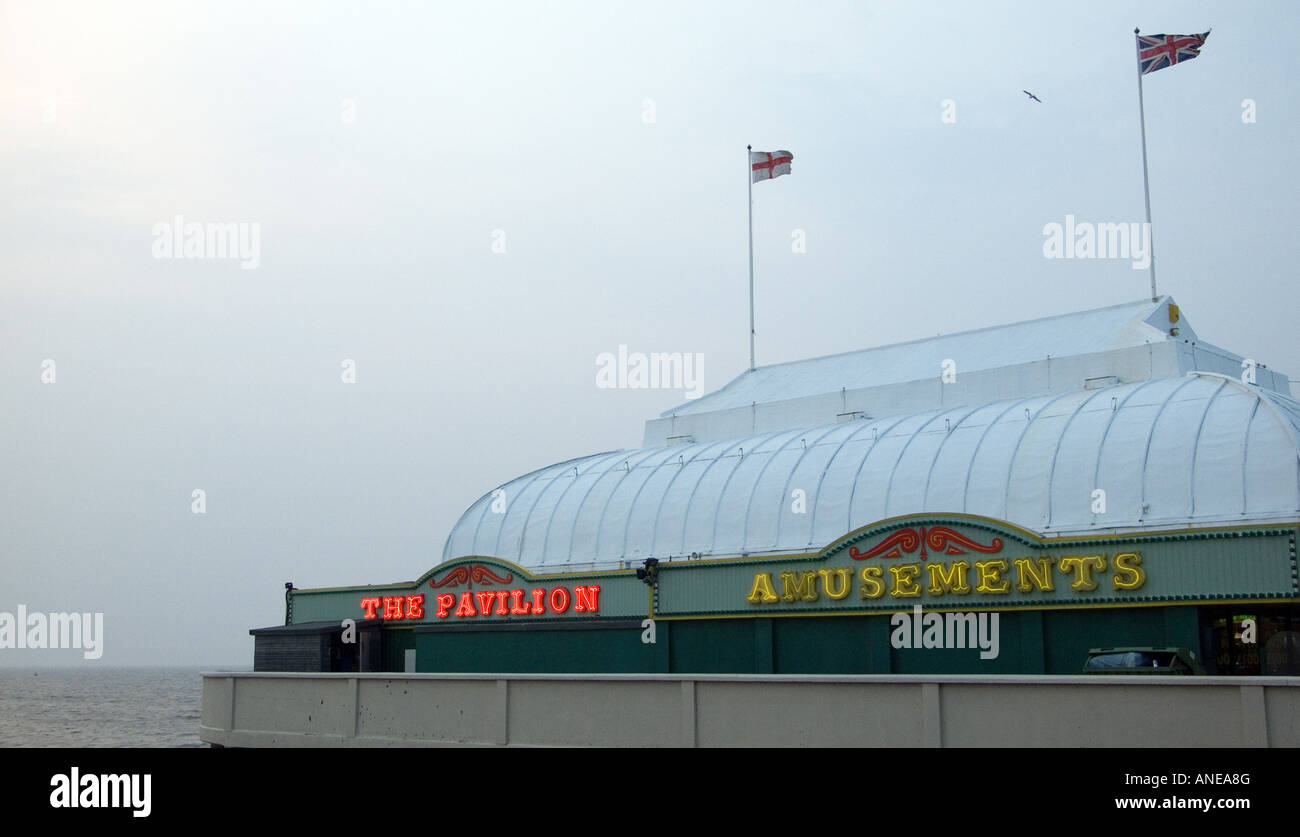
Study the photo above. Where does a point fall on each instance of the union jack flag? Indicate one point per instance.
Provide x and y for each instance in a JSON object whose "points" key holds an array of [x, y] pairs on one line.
{"points": [[1155, 52]]}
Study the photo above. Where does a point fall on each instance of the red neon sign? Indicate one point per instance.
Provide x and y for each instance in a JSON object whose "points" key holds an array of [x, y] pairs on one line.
{"points": [[584, 598]]}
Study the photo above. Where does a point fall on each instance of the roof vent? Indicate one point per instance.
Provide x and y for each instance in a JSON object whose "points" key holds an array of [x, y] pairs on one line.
{"points": [[1101, 383]]}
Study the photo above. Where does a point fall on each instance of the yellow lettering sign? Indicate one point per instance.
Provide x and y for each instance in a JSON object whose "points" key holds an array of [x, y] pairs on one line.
{"points": [[990, 576], [1129, 574], [799, 586], [948, 579], [905, 576], [1082, 567], [1028, 578], [872, 587], [761, 592], [844, 576]]}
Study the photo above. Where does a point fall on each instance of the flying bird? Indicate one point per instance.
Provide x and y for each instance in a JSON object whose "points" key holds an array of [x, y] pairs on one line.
{"points": [[1032, 96]]}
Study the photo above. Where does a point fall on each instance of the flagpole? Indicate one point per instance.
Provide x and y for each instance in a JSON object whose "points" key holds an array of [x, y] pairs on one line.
{"points": [[749, 179], [1146, 183]]}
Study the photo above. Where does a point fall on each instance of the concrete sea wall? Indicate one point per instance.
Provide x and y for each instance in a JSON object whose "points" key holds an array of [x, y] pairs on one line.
{"points": [[332, 710]]}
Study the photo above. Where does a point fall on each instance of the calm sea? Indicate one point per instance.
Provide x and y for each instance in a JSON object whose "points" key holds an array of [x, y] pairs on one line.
{"points": [[100, 707]]}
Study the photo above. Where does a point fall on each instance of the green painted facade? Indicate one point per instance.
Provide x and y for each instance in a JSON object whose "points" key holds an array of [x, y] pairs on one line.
{"points": [[832, 611], [1031, 641]]}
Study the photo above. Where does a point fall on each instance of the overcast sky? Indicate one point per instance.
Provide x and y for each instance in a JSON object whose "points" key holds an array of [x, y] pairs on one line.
{"points": [[471, 202]]}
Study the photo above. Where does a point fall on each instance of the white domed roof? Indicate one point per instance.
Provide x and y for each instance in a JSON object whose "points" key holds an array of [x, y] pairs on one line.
{"points": [[1202, 449]]}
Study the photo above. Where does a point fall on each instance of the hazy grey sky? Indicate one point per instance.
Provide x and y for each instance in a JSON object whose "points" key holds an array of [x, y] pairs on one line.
{"points": [[382, 150]]}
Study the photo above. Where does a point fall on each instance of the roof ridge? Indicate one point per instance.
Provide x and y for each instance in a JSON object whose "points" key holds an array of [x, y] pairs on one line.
{"points": [[963, 333]]}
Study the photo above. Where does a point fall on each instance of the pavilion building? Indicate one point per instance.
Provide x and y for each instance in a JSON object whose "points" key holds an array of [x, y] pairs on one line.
{"points": [[1098, 479]]}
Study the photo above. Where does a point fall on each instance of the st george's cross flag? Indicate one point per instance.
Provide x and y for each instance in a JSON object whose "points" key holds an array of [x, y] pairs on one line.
{"points": [[1155, 52], [766, 165]]}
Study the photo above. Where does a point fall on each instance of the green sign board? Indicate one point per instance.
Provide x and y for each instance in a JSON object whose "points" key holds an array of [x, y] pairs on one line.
{"points": [[941, 562], [972, 563]]}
